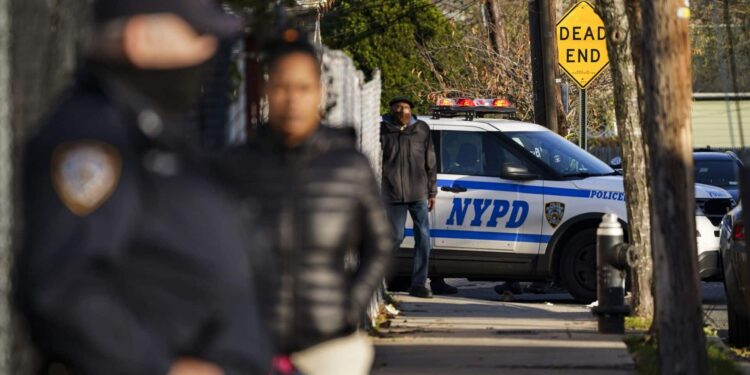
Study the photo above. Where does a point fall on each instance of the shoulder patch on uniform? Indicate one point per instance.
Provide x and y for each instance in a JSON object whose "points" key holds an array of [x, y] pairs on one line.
{"points": [[85, 174]]}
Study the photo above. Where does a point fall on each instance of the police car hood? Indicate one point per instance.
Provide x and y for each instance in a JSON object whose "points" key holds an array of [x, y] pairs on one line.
{"points": [[604, 183], [703, 191], [615, 184]]}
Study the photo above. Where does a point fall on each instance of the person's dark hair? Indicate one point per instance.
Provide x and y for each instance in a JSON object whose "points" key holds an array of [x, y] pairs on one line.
{"points": [[289, 41]]}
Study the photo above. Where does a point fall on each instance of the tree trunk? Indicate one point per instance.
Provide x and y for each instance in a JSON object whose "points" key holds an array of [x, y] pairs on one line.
{"points": [[634, 153], [495, 27], [667, 86]]}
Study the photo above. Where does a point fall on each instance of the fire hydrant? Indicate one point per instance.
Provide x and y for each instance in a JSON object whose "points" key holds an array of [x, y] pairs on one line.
{"points": [[613, 256]]}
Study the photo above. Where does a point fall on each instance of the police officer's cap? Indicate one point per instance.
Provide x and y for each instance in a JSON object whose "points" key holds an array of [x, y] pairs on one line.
{"points": [[206, 16], [401, 99]]}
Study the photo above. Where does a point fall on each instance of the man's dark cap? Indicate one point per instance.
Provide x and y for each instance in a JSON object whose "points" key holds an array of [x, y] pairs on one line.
{"points": [[206, 16], [401, 99]]}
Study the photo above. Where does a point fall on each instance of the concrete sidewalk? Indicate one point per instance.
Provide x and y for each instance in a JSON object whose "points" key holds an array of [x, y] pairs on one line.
{"points": [[460, 335]]}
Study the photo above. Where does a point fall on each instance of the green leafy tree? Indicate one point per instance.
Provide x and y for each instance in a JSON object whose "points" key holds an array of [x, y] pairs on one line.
{"points": [[389, 35]]}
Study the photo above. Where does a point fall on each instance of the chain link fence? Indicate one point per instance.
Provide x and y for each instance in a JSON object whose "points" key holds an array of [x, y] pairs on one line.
{"points": [[7, 194], [352, 101]]}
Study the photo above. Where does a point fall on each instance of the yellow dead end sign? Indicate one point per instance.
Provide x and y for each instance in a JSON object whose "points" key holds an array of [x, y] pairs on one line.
{"points": [[581, 44]]}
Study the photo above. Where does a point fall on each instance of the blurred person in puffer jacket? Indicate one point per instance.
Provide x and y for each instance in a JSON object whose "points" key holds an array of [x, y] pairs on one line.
{"points": [[320, 202]]}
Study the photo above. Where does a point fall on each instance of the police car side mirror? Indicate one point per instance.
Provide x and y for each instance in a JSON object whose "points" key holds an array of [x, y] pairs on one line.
{"points": [[517, 172]]}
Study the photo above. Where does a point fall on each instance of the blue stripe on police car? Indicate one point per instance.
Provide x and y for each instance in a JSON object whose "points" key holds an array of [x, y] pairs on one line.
{"points": [[531, 189], [486, 236]]}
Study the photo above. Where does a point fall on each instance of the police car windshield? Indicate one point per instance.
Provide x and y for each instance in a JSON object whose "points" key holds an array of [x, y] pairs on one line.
{"points": [[564, 157]]}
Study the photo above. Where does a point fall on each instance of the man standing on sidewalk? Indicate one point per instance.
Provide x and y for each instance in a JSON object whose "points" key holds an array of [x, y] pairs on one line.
{"points": [[410, 185]]}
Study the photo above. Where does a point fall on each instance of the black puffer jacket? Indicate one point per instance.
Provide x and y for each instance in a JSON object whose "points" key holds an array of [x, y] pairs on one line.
{"points": [[409, 165], [319, 203]]}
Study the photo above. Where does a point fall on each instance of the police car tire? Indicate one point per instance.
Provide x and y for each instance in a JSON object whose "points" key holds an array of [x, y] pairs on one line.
{"points": [[578, 266], [739, 326]]}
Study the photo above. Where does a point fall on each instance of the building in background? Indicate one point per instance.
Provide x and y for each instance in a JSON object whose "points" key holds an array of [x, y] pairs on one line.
{"points": [[716, 120]]}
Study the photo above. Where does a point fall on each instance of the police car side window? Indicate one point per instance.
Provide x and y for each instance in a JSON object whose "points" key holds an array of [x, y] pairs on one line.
{"points": [[461, 153], [473, 153]]}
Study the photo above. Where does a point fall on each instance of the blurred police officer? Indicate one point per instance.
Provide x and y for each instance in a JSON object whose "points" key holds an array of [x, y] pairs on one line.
{"points": [[134, 260], [320, 202]]}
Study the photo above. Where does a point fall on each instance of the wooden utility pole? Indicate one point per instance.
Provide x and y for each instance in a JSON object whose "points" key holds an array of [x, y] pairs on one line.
{"points": [[667, 88], [537, 63], [628, 113], [551, 67], [547, 98]]}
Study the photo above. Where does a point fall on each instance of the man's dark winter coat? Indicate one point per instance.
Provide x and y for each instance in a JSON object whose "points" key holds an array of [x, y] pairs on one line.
{"points": [[409, 164]]}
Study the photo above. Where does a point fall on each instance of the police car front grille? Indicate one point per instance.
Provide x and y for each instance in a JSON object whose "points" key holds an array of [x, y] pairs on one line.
{"points": [[715, 209]]}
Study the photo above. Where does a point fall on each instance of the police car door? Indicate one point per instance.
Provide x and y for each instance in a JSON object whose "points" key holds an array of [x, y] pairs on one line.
{"points": [[476, 208]]}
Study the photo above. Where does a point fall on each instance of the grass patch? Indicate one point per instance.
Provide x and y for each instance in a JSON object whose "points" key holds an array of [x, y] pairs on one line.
{"points": [[635, 323], [644, 352], [710, 331], [719, 361], [646, 356]]}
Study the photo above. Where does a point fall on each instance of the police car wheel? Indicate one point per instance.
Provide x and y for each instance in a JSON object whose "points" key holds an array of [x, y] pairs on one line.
{"points": [[578, 266]]}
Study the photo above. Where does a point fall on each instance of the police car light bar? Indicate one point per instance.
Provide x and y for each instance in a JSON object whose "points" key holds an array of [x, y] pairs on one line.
{"points": [[471, 108]]}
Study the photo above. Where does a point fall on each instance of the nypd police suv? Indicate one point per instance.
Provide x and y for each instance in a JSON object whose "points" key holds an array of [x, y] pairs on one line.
{"points": [[518, 202]]}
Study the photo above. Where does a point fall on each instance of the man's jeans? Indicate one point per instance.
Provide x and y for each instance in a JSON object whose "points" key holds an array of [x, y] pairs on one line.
{"points": [[420, 215]]}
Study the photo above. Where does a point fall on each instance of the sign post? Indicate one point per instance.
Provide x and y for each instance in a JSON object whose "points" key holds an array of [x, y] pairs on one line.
{"points": [[582, 53], [583, 120]]}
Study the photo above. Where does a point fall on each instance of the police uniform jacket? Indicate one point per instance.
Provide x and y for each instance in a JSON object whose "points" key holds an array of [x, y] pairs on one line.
{"points": [[320, 205], [133, 255]]}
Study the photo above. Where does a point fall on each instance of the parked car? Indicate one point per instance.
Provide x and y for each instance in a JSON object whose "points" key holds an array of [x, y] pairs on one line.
{"points": [[720, 169], [736, 269]]}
